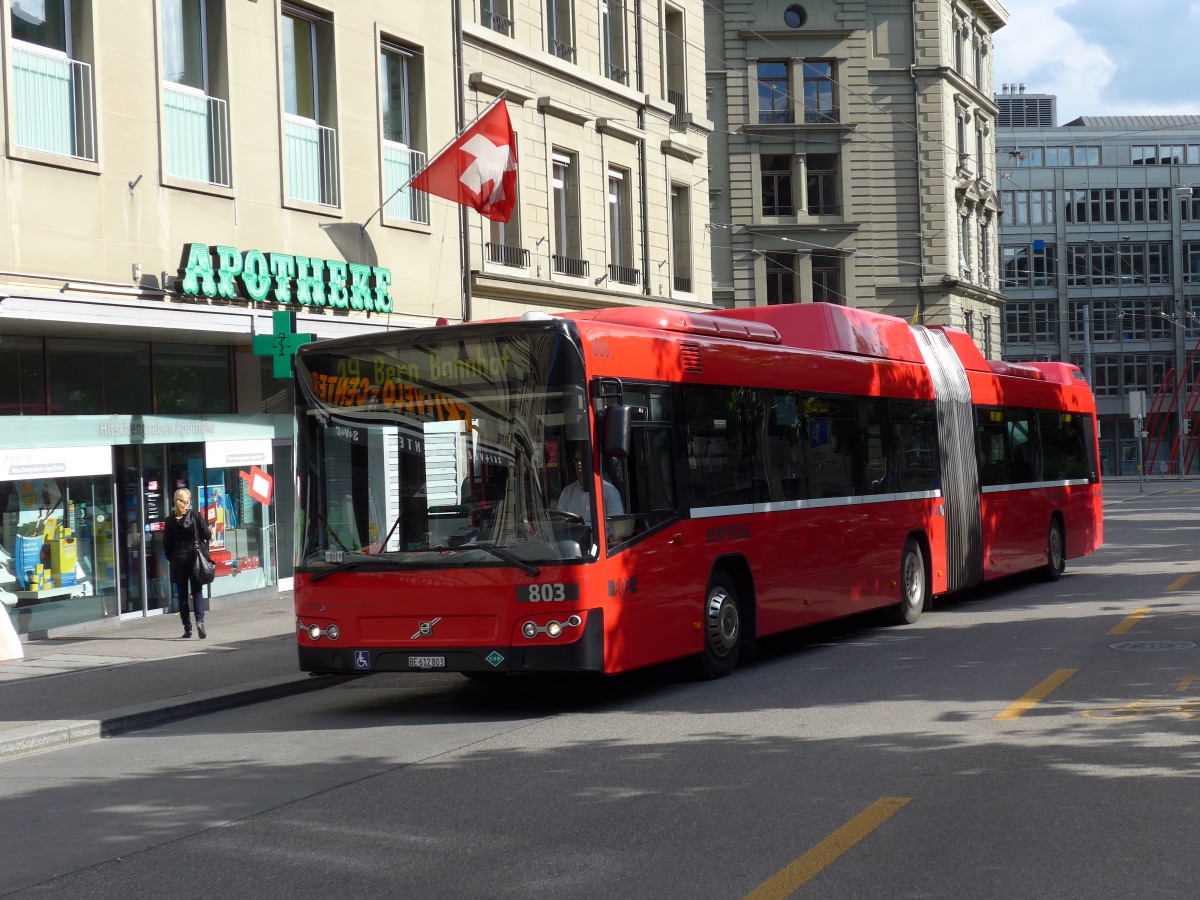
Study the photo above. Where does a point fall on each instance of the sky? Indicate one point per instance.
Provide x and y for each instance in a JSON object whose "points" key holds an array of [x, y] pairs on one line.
{"points": [[1103, 57]]}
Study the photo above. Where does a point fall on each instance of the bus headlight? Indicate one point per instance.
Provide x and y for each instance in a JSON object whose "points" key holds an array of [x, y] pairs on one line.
{"points": [[553, 629], [314, 632], [333, 632], [529, 629]]}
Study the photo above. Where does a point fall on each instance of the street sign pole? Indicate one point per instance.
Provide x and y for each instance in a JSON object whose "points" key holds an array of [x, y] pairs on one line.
{"points": [[1141, 458]]}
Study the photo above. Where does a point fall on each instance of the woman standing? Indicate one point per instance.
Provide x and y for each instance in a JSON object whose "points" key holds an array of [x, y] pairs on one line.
{"points": [[181, 542]]}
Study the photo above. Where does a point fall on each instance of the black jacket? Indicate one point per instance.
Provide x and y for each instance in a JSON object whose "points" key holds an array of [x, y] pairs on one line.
{"points": [[179, 540]]}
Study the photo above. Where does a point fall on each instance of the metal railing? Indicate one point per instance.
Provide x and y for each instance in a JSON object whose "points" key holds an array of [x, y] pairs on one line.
{"points": [[312, 161], [196, 129], [824, 116], [497, 22], [562, 49], [624, 274], [616, 73], [399, 165], [683, 284], [776, 117], [678, 123], [569, 265], [53, 102], [504, 255]]}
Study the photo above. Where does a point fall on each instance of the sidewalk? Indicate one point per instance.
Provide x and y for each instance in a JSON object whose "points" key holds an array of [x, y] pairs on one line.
{"points": [[100, 682]]}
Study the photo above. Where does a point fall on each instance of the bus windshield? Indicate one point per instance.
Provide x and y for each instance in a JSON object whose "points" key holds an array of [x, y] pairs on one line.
{"points": [[441, 449]]}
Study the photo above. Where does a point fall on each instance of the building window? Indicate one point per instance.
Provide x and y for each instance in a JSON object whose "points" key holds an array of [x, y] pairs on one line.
{"points": [[781, 278], [969, 323], [774, 93], [1045, 321], [620, 229], [681, 237], [960, 132], [496, 15], [960, 39], [23, 373], [52, 92], [818, 92], [311, 145], [821, 183], [985, 251], [195, 118], [675, 65], [987, 337], [827, 278], [1029, 266], [777, 185], [560, 29], [795, 16], [568, 242], [964, 245], [402, 78], [613, 28], [980, 56], [1016, 322]]}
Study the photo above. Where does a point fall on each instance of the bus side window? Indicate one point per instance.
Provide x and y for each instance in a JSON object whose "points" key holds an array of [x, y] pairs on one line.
{"points": [[646, 480]]}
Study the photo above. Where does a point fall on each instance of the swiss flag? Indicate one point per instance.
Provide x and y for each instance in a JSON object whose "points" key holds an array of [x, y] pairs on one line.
{"points": [[479, 169]]}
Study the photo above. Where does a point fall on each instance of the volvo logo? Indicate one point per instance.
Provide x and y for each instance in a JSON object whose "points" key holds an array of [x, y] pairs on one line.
{"points": [[426, 628]]}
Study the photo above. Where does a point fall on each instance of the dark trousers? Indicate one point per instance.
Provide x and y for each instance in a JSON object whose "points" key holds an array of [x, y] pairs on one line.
{"points": [[186, 585]]}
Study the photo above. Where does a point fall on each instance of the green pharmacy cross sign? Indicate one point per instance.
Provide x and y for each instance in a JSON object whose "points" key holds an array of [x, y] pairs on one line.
{"points": [[281, 344]]}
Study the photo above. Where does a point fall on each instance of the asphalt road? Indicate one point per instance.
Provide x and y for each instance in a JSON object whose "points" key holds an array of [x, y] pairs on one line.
{"points": [[1007, 745]]}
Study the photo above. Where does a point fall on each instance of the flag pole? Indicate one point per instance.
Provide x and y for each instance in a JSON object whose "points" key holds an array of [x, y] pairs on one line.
{"points": [[431, 160]]}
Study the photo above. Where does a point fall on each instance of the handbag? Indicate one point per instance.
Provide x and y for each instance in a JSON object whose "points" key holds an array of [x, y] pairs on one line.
{"points": [[203, 568]]}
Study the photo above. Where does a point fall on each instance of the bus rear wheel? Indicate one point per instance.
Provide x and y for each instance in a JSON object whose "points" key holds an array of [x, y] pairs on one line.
{"points": [[914, 587], [1056, 552], [722, 630]]}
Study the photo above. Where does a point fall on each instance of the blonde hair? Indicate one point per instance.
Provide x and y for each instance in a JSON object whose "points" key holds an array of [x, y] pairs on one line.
{"points": [[182, 492]]}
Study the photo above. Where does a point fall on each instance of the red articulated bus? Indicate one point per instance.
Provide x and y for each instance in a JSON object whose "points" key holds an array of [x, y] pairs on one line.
{"points": [[605, 490]]}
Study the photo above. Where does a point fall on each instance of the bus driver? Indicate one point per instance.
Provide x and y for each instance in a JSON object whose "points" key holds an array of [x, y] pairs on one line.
{"points": [[576, 499]]}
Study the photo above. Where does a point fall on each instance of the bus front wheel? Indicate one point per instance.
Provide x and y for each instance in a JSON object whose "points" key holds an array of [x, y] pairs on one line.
{"points": [[914, 587], [722, 629]]}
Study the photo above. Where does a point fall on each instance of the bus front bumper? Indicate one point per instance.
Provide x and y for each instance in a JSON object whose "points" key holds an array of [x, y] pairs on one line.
{"points": [[585, 654]]}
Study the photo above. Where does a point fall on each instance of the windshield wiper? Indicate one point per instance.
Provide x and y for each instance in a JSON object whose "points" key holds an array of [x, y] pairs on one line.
{"points": [[506, 555], [351, 564]]}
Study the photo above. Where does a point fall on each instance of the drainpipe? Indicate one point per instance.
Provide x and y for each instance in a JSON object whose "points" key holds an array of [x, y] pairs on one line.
{"points": [[639, 55], [917, 157], [464, 230]]}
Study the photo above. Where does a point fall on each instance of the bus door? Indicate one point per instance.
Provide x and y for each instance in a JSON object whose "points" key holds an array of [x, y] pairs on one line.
{"points": [[653, 574]]}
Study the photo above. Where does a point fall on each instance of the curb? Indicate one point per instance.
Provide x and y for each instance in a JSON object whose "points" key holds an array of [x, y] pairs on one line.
{"points": [[55, 734]]}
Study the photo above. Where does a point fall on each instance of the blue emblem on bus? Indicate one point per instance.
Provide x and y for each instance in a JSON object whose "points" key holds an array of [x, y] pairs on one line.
{"points": [[362, 659]]}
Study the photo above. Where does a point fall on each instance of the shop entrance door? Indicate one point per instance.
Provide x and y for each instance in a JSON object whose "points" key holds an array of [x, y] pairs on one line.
{"points": [[147, 478]]}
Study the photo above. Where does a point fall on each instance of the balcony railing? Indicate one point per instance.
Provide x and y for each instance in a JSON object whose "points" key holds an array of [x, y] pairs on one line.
{"points": [[562, 49], [825, 116], [196, 129], [624, 274], [616, 73], [683, 284], [399, 165], [776, 117], [568, 265], [678, 123], [504, 255], [312, 161], [497, 22], [53, 102]]}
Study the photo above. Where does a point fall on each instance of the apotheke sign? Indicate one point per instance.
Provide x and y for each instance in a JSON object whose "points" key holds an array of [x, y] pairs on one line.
{"points": [[259, 277]]}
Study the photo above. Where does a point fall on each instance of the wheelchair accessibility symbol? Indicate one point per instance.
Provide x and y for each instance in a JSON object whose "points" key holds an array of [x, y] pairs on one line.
{"points": [[362, 659]]}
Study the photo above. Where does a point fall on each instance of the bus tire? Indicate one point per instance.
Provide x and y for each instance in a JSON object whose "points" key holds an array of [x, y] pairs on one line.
{"points": [[914, 584], [1056, 552], [722, 628]]}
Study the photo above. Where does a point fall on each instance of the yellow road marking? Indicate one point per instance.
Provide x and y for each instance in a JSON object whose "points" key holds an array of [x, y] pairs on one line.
{"points": [[1180, 582], [1039, 693], [1186, 680], [815, 860], [1130, 620]]}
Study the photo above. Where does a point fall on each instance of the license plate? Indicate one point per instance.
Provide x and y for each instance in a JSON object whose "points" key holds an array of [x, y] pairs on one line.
{"points": [[427, 662]]}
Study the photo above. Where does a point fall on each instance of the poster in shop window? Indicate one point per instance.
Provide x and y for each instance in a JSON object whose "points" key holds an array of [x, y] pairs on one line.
{"points": [[212, 506]]}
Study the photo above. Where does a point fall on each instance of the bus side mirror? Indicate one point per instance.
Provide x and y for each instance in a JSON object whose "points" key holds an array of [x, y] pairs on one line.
{"points": [[616, 431]]}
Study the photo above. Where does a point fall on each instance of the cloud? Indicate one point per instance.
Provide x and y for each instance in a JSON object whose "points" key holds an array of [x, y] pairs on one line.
{"points": [[1102, 57]]}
